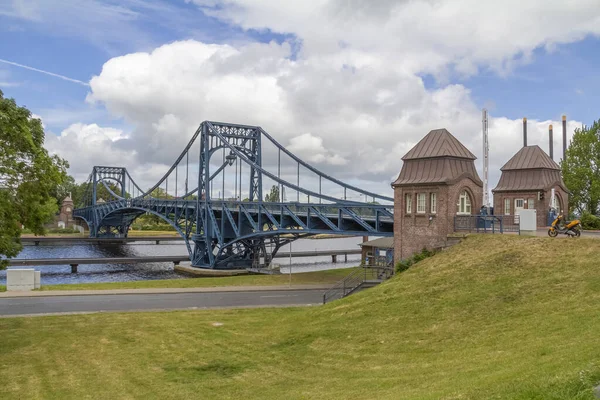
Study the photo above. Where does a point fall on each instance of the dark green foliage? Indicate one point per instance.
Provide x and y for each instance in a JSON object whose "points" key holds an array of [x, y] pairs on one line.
{"points": [[29, 176], [581, 169], [273, 195], [62, 230], [589, 221], [405, 264]]}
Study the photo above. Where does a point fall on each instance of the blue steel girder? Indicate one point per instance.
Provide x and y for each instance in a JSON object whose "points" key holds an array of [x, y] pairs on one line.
{"points": [[226, 234]]}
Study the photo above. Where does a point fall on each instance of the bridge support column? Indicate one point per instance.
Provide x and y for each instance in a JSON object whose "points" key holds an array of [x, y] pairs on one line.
{"points": [[334, 258], [158, 242], [74, 268], [345, 258]]}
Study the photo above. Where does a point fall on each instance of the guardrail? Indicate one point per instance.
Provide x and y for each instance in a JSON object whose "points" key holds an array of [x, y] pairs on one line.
{"points": [[356, 279], [486, 223]]}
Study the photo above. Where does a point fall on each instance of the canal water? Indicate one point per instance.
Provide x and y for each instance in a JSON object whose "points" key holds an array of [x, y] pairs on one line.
{"points": [[147, 271]]}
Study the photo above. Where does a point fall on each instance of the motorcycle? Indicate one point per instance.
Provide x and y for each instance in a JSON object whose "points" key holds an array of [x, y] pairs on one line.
{"points": [[569, 228]]}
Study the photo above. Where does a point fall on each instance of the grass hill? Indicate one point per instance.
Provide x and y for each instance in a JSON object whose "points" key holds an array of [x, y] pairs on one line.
{"points": [[495, 317]]}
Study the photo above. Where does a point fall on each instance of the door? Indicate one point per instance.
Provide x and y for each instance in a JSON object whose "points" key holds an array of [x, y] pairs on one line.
{"points": [[519, 205]]}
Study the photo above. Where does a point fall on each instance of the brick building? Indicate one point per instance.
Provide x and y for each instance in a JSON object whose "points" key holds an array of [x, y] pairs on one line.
{"points": [[438, 180], [526, 182], [65, 217]]}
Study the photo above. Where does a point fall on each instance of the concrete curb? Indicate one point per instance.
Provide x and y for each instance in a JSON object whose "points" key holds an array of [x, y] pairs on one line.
{"points": [[59, 314], [50, 293]]}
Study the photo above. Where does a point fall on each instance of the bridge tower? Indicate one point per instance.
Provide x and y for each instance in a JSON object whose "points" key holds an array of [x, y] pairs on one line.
{"points": [[230, 228]]}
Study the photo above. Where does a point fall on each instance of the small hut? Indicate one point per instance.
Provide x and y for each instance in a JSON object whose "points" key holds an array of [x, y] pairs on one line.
{"points": [[438, 181], [526, 183]]}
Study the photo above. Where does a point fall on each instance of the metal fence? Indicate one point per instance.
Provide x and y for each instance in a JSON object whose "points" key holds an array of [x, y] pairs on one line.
{"points": [[356, 279], [486, 223]]}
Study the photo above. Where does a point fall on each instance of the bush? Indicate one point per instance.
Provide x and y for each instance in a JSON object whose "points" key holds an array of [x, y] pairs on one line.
{"points": [[62, 230], [157, 227], [590, 221], [405, 264]]}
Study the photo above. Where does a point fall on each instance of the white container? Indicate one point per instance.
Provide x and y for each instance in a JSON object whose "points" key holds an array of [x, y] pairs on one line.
{"points": [[528, 222], [20, 279], [37, 280]]}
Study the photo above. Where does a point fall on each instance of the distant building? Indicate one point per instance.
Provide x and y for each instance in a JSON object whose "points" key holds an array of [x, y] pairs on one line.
{"points": [[526, 182], [377, 251], [65, 217], [438, 181]]}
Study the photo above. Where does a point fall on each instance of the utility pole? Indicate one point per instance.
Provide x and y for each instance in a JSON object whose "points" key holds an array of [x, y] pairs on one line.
{"points": [[486, 160]]}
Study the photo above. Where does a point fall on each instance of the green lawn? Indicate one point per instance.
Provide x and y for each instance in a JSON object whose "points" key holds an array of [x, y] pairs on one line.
{"points": [[317, 277], [492, 318]]}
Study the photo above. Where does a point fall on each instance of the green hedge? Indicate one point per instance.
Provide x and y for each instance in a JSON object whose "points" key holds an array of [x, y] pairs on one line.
{"points": [[590, 221], [405, 264], [153, 227]]}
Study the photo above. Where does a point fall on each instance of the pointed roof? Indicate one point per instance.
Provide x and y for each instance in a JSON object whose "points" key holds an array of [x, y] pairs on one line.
{"points": [[530, 157], [439, 143], [67, 199]]}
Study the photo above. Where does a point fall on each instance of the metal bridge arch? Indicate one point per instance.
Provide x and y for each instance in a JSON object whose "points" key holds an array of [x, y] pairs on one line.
{"points": [[226, 232]]}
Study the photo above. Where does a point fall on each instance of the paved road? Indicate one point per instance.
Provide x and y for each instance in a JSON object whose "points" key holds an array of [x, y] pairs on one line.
{"points": [[165, 301]]}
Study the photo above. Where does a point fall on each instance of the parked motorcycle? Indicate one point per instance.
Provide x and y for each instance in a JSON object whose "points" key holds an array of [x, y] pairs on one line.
{"points": [[569, 228]]}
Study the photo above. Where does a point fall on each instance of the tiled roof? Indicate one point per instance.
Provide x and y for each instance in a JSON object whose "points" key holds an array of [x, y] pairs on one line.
{"points": [[439, 143], [530, 157]]}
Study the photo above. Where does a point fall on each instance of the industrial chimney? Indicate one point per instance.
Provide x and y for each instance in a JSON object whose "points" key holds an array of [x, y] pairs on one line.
{"points": [[524, 132], [551, 142], [564, 122]]}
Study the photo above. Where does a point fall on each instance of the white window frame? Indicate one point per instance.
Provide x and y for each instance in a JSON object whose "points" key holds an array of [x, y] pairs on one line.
{"points": [[408, 202], [522, 206], [433, 203], [460, 210], [421, 203], [507, 206], [530, 203]]}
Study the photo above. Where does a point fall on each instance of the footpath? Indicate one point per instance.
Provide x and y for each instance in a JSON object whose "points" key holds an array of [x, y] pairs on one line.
{"points": [[215, 289]]}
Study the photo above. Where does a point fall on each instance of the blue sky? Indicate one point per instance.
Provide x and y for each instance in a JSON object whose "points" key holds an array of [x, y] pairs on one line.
{"points": [[76, 38], [564, 80]]}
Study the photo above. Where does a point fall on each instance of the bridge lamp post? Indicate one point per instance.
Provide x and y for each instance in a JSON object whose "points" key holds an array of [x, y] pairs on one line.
{"points": [[230, 159]]}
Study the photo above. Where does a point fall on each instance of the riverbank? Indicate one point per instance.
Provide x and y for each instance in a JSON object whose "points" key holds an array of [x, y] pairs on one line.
{"points": [[304, 278]]}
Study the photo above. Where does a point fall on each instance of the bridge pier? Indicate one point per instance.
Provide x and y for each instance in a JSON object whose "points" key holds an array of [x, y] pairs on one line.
{"points": [[158, 242], [74, 268], [334, 258]]}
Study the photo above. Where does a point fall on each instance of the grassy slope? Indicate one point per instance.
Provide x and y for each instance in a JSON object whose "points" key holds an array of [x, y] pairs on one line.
{"points": [[492, 318], [317, 277]]}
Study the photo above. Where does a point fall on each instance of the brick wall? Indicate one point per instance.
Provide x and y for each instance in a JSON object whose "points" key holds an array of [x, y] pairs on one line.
{"points": [[413, 231], [541, 206]]}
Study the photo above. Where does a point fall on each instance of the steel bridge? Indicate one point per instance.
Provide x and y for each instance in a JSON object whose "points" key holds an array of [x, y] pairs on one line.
{"points": [[213, 196]]}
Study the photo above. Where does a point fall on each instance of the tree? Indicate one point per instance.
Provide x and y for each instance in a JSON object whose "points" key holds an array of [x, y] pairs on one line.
{"points": [[581, 169], [273, 195], [66, 188], [28, 175]]}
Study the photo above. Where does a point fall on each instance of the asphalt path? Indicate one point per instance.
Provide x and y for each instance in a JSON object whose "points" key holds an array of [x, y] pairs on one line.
{"points": [[18, 306]]}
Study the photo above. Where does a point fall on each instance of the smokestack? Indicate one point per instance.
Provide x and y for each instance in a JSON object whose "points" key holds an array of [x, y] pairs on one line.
{"points": [[564, 122], [524, 132], [551, 142]]}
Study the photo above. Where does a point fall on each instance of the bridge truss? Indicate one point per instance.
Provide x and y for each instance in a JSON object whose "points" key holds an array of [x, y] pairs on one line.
{"points": [[227, 227]]}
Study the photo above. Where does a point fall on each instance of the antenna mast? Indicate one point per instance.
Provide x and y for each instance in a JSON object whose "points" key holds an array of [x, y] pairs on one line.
{"points": [[486, 161]]}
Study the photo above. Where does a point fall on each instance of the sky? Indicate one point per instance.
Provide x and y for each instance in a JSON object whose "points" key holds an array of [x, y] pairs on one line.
{"points": [[348, 85]]}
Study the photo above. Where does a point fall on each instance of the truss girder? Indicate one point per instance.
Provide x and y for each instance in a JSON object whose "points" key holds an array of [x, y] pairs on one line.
{"points": [[233, 233]]}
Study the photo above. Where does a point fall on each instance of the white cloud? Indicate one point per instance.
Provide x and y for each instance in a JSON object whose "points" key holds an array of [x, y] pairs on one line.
{"points": [[310, 148], [351, 101]]}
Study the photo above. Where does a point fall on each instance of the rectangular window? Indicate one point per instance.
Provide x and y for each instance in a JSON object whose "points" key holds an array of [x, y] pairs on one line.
{"points": [[433, 203], [421, 203], [408, 200], [519, 203], [506, 206], [530, 204]]}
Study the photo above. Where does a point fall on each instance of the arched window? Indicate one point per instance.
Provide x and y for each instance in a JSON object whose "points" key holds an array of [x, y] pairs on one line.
{"points": [[463, 207]]}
